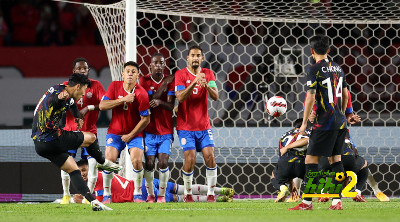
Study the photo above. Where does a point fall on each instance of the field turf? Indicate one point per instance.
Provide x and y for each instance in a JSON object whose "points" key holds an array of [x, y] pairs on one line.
{"points": [[242, 210]]}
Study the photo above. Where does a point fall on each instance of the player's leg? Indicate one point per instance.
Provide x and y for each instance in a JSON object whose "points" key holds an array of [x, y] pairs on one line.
{"points": [[186, 139], [295, 183], [282, 175], [164, 150], [362, 176], [374, 185], [114, 145], [205, 140], [65, 181], [150, 141], [92, 173], [136, 151]]}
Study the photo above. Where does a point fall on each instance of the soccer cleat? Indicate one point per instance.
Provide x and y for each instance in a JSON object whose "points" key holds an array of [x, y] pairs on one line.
{"points": [[293, 198], [302, 206], [224, 198], [106, 200], [211, 198], [229, 192], [66, 199], [85, 201], [161, 199], [109, 166], [189, 198], [139, 199], [338, 206], [98, 206], [359, 198], [151, 199], [282, 195], [323, 199], [382, 197]]}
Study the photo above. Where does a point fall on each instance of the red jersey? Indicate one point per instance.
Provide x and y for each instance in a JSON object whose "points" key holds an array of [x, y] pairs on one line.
{"points": [[126, 116], [349, 107], [161, 119], [92, 96], [193, 112], [121, 188]]}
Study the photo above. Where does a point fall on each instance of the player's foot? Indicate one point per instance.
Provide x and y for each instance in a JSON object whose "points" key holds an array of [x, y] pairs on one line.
{"points": [[66, 199], [359, 198], [282, 194], [224, 198], [106, 200], [98, 206], [338, 206], [227, 192], [109, 166], [150, 199], [302, 206], [382, 197], [188, 198], [139, 199], [323, 199], [161, 199], [211, 198], [293, 198], [85, 201]]}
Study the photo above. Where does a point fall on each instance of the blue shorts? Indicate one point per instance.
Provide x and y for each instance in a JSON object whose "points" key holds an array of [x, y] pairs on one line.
{"points": [[169, 192], [84, 153], [191, 140], [155, 144], [116, 142]]}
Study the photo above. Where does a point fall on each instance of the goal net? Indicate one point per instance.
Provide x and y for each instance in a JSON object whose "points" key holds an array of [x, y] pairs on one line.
{"points": [[258, 49]]}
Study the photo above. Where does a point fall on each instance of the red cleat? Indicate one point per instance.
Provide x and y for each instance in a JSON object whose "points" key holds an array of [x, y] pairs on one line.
{"points": [[188, 198], [161, 199], [302, 206], [323, 199], [211, 198], [338, 206], [359, 198], [151, 199]]}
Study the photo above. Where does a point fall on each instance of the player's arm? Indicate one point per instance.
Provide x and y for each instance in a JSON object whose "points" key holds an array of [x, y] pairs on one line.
{"points": [[168, 105], [345, 98], [144, 121], [298, 143], [212, 90], [78, 117], [183, 94], [308, 105], [107, 104], [168, 80]]}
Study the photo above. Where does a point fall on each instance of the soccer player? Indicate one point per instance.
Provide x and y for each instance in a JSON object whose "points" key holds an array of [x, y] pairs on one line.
{"points": [[193, 84], [158, 135], [53, 143], [130, 116], [88, 106], [328, 89], [292, 148], [122, 189]]}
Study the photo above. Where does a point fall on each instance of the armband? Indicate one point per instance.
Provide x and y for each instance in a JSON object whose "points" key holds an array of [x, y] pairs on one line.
{"points": [[90, 107], [212, 83]]}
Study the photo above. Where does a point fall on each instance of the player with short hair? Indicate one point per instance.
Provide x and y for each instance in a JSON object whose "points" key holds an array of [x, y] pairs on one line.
{"points": [[130, 116], [53, 143], [327, 88], [122, 189], [88, 106], [158, 135], [193, 84]]}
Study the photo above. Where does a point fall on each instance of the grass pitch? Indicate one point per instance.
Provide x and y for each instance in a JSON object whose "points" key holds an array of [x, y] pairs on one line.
{"points": [[240, 210]]}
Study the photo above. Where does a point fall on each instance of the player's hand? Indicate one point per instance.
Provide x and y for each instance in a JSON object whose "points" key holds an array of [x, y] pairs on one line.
{"points": [[129, 98], [353, 119], [78, 198], [84, 111], [294, 191], [154, 103], [302, 129], [63, 95], [79, 123], [283, 150], [126, 138], [311, 118], [203, 83], [199, 77]]}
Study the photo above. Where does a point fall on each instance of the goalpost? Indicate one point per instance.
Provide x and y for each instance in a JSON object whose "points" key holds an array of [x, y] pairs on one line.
{"points": [[258, 49]]}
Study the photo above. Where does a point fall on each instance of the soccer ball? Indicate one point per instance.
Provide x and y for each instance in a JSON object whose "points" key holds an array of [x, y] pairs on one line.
{"points": [[276, 106]]}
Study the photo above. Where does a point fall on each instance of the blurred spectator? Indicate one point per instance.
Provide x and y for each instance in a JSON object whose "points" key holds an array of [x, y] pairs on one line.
{"points": [[24, 19], [47, 30], [3, 28], [68, 23], [86, 28]]}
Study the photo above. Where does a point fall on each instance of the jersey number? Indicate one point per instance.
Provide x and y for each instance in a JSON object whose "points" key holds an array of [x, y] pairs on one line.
{"points": [[80, 102], [338, 88], [195, 91], [125, 106]]}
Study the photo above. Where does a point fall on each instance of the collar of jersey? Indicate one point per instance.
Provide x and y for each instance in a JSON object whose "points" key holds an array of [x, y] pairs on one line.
{"points": [[155, 80], [133, 90], [191, 72]]}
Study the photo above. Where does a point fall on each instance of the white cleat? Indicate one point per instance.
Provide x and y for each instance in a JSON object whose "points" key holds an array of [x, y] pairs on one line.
{"points": [[99, 206], [109, 166]]}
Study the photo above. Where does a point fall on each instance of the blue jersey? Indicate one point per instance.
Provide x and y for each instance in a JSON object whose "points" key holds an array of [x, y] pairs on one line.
{"points": [[328, 79]]}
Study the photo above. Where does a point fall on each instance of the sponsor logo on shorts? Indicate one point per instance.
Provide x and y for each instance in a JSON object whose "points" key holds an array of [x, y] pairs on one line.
{"points": [[110, 140], [183, 141]]}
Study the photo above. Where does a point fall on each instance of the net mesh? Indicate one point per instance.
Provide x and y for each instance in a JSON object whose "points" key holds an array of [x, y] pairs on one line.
{"points": [[259, 49]]}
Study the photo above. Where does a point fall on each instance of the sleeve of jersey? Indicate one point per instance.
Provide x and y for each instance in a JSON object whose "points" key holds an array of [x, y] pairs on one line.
{"points": [[100, 91], [179, 82], [144, 106], [311, 79], [349, 108], [109, 95]]}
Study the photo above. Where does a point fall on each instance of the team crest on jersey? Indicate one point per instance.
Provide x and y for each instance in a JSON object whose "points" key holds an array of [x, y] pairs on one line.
{"points": [[151, 87], [183, 141], [188, 81], [89, 95], [119, 97], [109, 141]]}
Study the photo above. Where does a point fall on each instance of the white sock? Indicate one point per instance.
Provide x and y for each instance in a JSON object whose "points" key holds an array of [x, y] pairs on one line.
{"points": [[107, 179], [149, 176], [137, 180], [164, 177], [336, 201], [297, 182], [211, 175], [179, 198], [92, 174], [358, 191], [65, 182], [372, 183], [308, 202], [200, 198], [282, 187], [187, 182], [199, 189]]}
